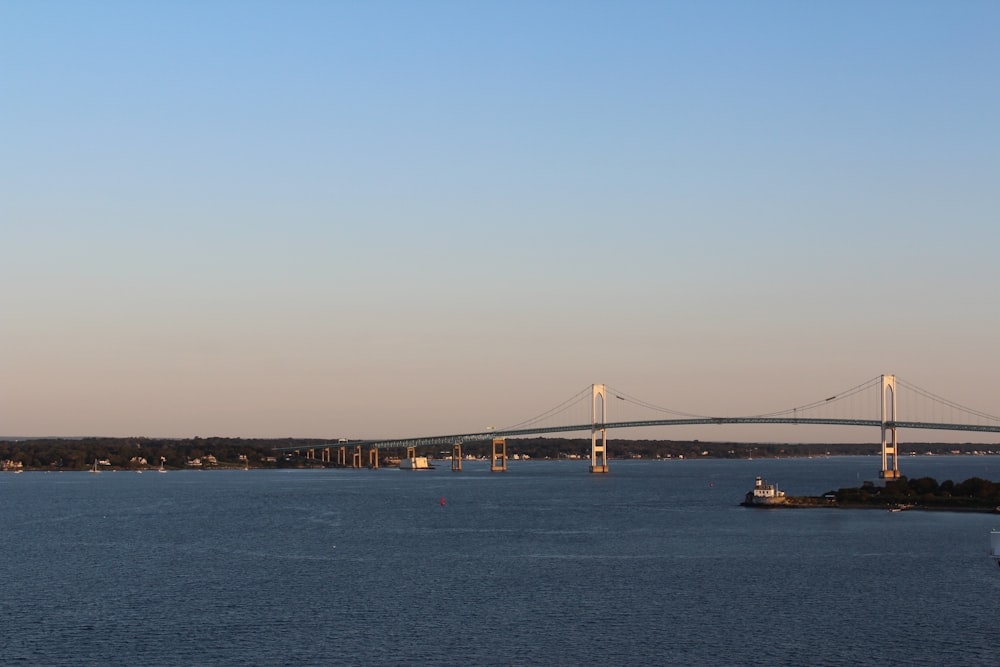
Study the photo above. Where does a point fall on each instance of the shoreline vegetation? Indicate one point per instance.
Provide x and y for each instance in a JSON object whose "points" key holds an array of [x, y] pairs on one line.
{"points": [[923, 494], [140, 453]]}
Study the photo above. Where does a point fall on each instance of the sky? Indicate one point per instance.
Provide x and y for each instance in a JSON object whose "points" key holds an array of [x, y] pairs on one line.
{"points": [[390, 219]]}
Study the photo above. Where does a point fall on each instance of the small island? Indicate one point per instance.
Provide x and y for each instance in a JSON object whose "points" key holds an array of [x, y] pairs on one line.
{"points": [[972, 495]]}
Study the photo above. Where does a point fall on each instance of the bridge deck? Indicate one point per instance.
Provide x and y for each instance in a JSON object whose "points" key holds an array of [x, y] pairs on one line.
{"points": [[399, 443]]}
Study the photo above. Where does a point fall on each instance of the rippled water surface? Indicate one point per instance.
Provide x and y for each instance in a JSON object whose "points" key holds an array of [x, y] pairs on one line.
{"points": [[546, 564]]}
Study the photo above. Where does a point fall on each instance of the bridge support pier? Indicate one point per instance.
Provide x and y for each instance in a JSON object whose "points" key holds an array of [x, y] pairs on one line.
{"points": [[890, 446], [498, 461], [598, 452], [342, 457], [456, 457], [356, 459], [373, 458]]}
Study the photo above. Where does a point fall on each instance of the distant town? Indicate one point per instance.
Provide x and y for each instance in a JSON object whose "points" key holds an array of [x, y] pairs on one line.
{"points": [[221, 453]]}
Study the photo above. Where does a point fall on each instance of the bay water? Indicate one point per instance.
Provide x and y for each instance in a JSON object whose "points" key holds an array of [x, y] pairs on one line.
{"points": [[654, 563]]}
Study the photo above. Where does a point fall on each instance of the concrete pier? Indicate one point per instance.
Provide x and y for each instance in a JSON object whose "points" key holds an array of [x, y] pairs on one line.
{"points": [[498, 461]]}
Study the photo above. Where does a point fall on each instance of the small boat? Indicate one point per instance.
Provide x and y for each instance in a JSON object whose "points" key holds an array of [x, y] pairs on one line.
{"points": [[995, 545]]}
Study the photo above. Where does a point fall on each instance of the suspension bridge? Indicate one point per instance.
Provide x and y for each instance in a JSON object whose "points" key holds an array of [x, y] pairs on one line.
{"points": [[871, 404]]}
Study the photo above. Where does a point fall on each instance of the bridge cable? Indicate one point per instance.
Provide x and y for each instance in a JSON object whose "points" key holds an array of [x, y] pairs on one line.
{"points": [[552, 412], [944, 401], [650, 406], [826, 401]]}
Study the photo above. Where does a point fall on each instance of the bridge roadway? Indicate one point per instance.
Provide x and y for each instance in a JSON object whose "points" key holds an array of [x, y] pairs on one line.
{"points": [[507, 433]]}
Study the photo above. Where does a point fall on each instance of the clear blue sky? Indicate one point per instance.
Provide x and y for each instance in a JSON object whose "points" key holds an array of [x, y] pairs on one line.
{"points": [[323, 219]]}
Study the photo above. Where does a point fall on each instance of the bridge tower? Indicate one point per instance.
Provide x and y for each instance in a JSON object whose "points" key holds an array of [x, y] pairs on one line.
{"points": [[890, 456], [498, 460], [598, 452]]}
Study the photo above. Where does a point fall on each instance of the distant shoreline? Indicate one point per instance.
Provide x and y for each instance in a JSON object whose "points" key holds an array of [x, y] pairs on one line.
{"points": [[63, 453]]}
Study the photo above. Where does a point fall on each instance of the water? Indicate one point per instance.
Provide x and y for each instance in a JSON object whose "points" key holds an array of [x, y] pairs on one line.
{"points": [[654, 563]]}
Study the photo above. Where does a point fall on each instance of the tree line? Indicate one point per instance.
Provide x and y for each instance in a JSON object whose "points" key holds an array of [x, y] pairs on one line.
{"points": [[80, 453], [974, 492]]}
